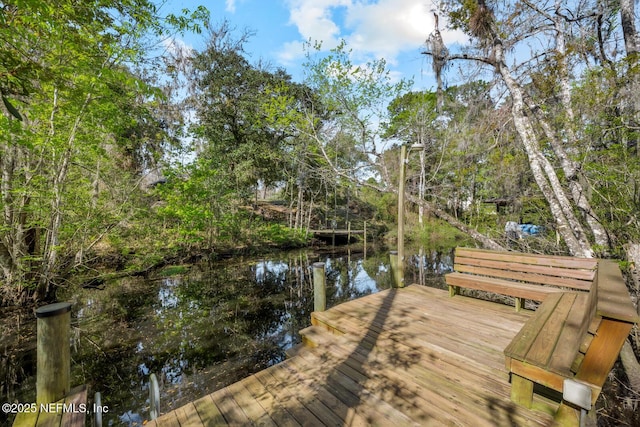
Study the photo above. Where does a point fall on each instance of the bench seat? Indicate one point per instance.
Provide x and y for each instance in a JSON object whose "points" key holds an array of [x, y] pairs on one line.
{"points": [[544, 350], [499, 286]]}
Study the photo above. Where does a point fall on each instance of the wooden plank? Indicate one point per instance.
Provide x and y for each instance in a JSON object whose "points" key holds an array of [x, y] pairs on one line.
{"points": [[489, 313], [489, 325], [525, 277], [316, 384], [365, 392], [522, 342], [348, 391], [188, 415], [294, 389], [410, 386], [249, 405], [613, 297], [534, 259], [500, 286], [538, 375], [472, 363], [208, 411], [437, 340], [442, 383], [277, 412], [170, 419], [521, 271], [545, 343], [571, 336], [26, 419], [77, 396], [460, 338], [228, 407], [49, 419], [301, 413], [603, 353]]}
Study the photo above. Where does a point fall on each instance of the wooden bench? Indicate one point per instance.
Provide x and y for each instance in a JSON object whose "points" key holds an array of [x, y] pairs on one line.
{"points": [[576, 333], [544, 350], [519, 275]]}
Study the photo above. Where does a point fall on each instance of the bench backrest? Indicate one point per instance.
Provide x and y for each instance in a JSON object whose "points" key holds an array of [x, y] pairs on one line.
{"points": [[567, 272]]}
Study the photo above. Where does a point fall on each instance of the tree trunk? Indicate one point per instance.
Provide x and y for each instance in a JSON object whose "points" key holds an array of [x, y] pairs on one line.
{"points": [[421, 186], [52, 242], [578, 185], [629, 31], [631, 366], [543, 172]]}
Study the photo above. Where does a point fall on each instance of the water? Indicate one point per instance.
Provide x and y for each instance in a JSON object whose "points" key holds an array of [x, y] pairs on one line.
{"points": [[198, 331]]}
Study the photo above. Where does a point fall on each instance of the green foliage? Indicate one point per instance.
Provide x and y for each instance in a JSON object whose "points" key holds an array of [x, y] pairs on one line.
{"points": [[438, 235], [280, 235], [78, 127], [173, 270], [244, 111]]}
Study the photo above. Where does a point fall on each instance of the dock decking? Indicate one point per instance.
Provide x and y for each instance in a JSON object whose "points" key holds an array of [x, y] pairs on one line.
{"points": [[410, 356]]}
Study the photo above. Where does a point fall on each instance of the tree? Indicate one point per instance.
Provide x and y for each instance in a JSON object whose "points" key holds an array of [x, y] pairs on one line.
{"points": [[355, 97], [236, 115], [496, 38], [65, 78]]}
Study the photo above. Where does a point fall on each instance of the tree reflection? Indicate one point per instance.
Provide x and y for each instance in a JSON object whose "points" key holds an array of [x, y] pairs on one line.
{"points": [[204, 330]]}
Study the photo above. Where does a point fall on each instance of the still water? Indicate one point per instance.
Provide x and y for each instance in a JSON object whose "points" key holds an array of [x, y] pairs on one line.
{"points": [[202, 329]]}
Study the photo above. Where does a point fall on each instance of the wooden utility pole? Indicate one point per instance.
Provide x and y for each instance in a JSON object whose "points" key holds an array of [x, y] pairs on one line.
{"points": [[400, 272]]}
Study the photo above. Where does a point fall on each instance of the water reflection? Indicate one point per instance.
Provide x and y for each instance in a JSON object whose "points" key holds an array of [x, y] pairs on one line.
{"points": [[200, 331]]}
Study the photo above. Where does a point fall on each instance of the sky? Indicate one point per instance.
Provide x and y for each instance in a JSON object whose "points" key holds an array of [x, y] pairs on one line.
{"points": [[395, 30]]}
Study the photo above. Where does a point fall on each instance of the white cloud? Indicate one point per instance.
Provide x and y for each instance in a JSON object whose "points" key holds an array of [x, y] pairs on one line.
{"points": [[290, 52], [314, 19], [378, 28], [177, 47], [230, 6]]}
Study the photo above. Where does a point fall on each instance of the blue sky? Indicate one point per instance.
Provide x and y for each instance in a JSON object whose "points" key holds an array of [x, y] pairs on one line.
{"points": [[391, 29]]}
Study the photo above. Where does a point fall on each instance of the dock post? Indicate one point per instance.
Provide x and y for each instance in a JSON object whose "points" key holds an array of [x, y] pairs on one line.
{"points": [[395, 271], [365, 240], [53, 375], [319, 287], [154, 397]]}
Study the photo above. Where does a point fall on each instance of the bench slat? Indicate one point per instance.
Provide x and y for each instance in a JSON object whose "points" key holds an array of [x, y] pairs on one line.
{"points": [[494, 270], [534, 259], [522, 342], [543, 346], [544, 270], [499, 286], [603, 353], [571, 336], [613, 299]]}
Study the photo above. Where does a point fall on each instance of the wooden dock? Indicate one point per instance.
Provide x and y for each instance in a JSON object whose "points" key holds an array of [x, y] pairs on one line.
{"points": [[338, 232], [409, 356]]}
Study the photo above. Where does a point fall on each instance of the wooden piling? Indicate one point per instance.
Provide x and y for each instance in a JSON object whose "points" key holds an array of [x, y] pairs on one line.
{"points": [[365, 240], [53, 377], [395, 274], [319, 287]]}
